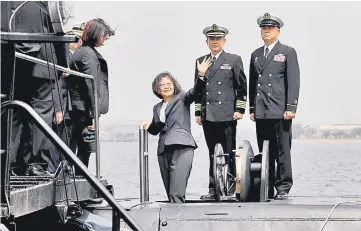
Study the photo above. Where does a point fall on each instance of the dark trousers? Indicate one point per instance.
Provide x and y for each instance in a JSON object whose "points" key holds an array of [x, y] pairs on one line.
{"points": [[30, 146], [65, 131], [175, 167], [279, 134], [225, 134], [81, 121]]}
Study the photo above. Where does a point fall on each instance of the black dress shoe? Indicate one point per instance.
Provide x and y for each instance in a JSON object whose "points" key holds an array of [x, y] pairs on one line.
{"points": [[281, 196], [95, 201], [32, 170], [209, 196]]}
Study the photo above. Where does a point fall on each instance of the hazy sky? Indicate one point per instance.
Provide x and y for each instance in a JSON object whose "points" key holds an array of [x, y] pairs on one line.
{"points": [[152, 37]]}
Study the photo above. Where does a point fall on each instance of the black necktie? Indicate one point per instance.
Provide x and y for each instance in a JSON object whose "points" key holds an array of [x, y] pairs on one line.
{"points": [[266, 53], [214, 59]]}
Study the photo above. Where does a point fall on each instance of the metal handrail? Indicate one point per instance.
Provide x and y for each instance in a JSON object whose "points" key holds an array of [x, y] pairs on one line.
{"points": [[143, 165], [76, 73], [59, 143]]}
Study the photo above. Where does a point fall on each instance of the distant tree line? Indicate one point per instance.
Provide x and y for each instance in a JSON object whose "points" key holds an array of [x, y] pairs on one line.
{"points": [[299, 131]]}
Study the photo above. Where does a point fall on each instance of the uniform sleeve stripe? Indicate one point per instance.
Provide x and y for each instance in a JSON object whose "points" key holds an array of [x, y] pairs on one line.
{"points": [[240, 104], [292, 105], [197, 107]]}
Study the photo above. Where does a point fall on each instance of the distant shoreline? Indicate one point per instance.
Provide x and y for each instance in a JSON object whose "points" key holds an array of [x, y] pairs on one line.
{"points": [[326, 140]]}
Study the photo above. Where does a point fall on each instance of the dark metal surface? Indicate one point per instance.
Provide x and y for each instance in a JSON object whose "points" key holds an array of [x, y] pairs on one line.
{"points": [[4, 212], [257, 218], [146, 167], [296, 214], [264, 172], [30, 199], [74, 159], [219, 174], [256, 167], [33, 193], [8, 63], [245, 154], [146, 217], [141, 164], [116, 221], [37, 38]]}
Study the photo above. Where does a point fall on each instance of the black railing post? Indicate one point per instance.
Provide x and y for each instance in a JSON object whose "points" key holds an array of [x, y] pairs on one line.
{"points": [[146, 167], [141, 164], [116, 221]]}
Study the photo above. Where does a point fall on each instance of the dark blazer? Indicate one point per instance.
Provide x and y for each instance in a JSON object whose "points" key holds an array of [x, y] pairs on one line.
{"points": [[30, 19], [87, 60], [274, 82], [226, 90], [63, 104], [177, 126]]}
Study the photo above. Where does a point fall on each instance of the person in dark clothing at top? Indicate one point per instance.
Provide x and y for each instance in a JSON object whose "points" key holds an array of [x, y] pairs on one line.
{"points": [[62, 123], [88, 60], [30, 148]]}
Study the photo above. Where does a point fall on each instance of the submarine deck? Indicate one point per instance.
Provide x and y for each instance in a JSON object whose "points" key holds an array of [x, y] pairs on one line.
{"points": [[297, 213]]}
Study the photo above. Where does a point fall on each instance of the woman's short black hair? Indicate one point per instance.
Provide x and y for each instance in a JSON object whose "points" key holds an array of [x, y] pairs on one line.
{"points": [[158, 79], [93, 31]]}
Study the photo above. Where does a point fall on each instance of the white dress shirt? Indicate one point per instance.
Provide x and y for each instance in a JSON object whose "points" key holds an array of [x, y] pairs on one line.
{"points": [[162, 111], [270, 47]]}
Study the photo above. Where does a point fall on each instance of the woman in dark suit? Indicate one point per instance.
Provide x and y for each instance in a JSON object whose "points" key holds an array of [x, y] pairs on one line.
{"points": [[171, 120], [86, 59]]}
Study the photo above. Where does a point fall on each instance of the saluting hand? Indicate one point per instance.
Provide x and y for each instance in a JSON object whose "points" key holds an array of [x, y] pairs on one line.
{"points": [[203, 67]]}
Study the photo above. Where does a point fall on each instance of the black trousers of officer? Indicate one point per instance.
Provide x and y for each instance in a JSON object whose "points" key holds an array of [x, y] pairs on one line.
{"points": [[225, 134], [279, 134]]}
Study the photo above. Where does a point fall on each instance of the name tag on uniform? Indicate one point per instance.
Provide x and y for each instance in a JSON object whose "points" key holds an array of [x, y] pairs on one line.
{"points": [[226, 67], [279, 58]]}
